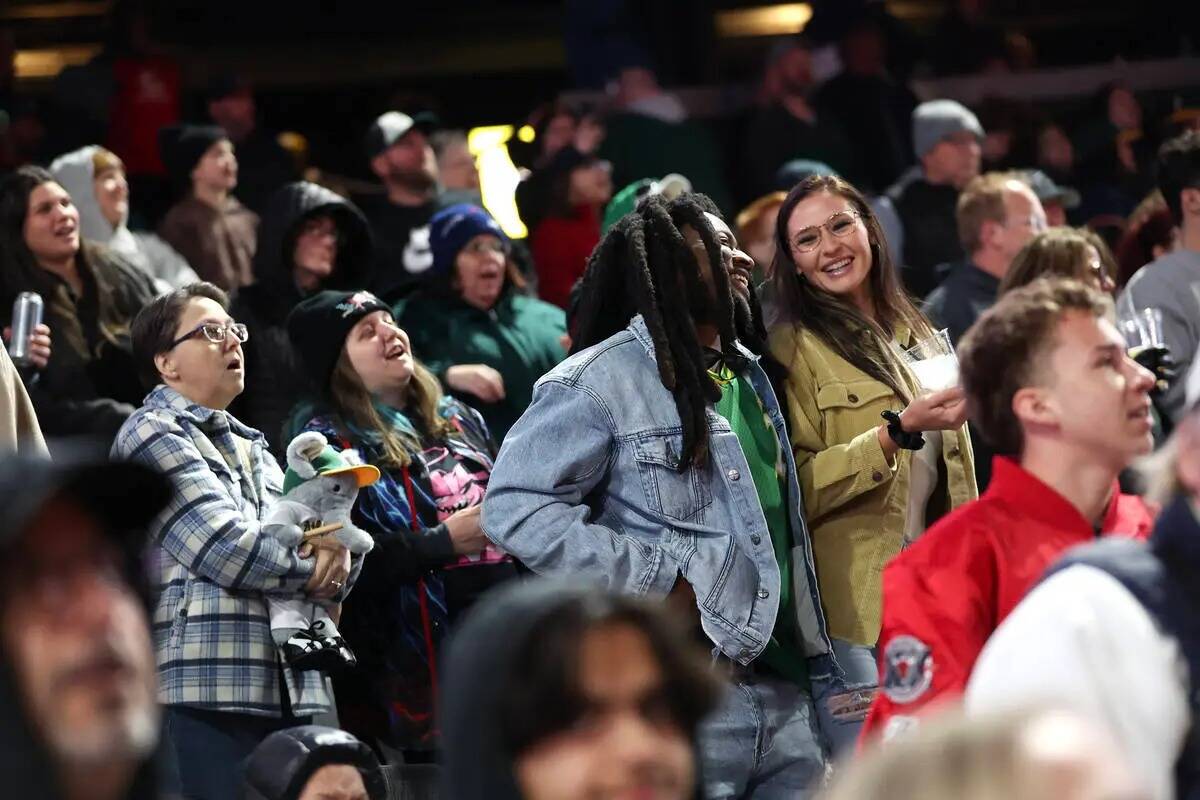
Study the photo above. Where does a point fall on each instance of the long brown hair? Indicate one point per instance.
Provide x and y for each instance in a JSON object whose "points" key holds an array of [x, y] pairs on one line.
{"points": [[353, 402], [836, 321]]}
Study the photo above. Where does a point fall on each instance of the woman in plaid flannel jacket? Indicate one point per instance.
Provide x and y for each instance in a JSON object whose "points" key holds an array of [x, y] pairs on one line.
{"points": [[220, 678]]}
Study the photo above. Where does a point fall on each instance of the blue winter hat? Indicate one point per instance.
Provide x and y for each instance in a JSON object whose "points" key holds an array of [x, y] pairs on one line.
{"points": [[454, 226]]}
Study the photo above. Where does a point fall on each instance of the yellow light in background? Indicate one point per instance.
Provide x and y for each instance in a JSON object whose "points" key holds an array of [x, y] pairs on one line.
{"points": [[49, 62], [527, 134], [498, 176], [776, 20]]}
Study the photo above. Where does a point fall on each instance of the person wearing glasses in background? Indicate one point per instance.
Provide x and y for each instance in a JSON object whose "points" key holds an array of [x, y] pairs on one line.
{"points": [[879, 459], [309, 239], [221, 681], [486, 341]]}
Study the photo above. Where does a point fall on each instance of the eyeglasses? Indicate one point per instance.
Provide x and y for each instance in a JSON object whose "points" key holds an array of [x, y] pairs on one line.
{"points": [[839, 224], [482, 247], [214, 333]]}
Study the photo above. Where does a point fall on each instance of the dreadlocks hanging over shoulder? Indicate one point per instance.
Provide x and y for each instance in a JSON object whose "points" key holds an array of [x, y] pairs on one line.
{"points": [[643, 265]]}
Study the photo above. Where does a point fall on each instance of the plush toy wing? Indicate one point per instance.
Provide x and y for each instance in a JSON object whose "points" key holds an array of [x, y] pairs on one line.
{"points": [[302, 450]]}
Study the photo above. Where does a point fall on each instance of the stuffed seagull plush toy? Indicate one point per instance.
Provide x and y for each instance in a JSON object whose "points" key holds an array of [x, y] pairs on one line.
{"points": [[319, 490]]}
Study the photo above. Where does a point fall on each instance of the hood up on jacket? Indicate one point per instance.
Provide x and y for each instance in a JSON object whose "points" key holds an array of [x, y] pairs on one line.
{"points": [[495, 641], [75, 172], [288, 208]]}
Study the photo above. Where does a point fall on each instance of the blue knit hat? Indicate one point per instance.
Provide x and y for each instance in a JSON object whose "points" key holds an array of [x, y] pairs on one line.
{"points": [[454, 226]]}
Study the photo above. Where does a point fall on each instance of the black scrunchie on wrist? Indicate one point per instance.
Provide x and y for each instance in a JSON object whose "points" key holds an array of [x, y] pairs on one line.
{"points": [[903, 439]]}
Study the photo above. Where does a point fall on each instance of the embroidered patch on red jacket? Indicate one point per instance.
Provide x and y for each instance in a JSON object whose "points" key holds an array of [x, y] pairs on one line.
{"points": [[907, 669]]}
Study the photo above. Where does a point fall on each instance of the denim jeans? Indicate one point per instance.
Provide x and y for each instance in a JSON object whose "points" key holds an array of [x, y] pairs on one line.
{"points": [[207, 749], [842, 705], [762, 742]]}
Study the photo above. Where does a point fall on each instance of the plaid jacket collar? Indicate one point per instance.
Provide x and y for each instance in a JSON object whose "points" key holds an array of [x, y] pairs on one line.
{"points": [[164, 397]]}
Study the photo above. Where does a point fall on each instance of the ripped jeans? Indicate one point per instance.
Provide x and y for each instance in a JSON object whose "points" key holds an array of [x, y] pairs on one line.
{"points": [[842, 705]]}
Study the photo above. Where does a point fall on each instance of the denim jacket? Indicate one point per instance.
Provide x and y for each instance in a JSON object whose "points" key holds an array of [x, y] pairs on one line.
{"points": [[587, 484]]}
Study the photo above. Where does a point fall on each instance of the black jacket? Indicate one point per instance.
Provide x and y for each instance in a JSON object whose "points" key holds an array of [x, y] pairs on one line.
{"points": [[90, 386], [927, 212], [274, 379]]}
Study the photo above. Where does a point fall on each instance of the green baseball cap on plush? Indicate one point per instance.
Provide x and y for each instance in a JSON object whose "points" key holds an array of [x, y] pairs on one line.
{"points": [[330, 462]]}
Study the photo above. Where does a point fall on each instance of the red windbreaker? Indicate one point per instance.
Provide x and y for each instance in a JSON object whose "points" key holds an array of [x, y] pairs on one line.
{"points": [[943, 597]]}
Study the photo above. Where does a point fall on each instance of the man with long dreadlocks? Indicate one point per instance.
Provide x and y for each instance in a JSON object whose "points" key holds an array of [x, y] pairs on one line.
{"points": [[655, 462]]}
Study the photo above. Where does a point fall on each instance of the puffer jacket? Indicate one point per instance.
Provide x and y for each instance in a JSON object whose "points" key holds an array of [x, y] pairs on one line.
{"points": [[274, 379]]}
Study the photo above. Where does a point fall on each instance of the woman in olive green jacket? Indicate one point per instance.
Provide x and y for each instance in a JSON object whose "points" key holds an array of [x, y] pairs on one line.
{"points": [[870, 486]]}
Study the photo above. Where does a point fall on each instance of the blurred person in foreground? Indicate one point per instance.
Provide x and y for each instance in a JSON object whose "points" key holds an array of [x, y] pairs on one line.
{"points": [[222, 680], [19, 428], [1171, 283], [1034, 755], [313, 762], [1112, 632], [558, 692], [77, 679], [486, 341], [1052, 390]]}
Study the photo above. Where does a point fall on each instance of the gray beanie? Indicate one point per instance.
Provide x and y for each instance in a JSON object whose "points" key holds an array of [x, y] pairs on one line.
{"points": [[937, 119]]}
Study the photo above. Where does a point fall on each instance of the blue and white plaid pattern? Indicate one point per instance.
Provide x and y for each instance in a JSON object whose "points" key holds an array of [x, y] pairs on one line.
{"points": [[212, 631]]}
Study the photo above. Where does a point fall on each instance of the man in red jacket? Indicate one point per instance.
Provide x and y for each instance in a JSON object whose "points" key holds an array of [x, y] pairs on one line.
{"points": [[1050, 386]]}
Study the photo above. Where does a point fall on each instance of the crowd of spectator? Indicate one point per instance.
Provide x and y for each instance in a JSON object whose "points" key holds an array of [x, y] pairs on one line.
{"points": [[659, 497]]}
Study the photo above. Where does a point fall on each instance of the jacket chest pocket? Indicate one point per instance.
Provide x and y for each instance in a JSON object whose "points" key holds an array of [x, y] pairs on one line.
{"points": [[681, 496], [850, 407]]}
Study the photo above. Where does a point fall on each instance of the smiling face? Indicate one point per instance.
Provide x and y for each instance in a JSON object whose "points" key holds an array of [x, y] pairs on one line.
{"points": [[208, 373], [1091, 395], [380, 354], [479, 270], [736, 263], [112, 194], [51, 224], [838, 265]]}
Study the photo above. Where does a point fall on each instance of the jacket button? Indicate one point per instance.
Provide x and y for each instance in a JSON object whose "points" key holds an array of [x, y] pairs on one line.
{"points": [[877, 476], [755, 538], [763, 594], [853, 398], [745, 653], [733, 475]]}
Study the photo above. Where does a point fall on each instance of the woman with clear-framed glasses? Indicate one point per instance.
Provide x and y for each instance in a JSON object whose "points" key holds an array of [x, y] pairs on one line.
{"points": [[481, 336], [879, 458], [222, 683]]}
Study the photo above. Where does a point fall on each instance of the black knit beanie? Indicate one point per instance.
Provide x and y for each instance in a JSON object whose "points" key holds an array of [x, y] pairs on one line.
{"points": [[318, 327]]}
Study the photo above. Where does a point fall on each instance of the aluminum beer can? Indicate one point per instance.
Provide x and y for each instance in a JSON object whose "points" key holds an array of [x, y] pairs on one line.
{"points": [[27, 315]]}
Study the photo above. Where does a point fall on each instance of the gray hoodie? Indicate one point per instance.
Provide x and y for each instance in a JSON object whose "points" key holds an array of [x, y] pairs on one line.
{"points": [[145, 250]]}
